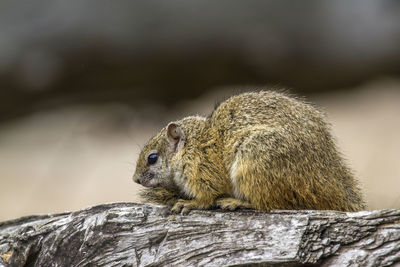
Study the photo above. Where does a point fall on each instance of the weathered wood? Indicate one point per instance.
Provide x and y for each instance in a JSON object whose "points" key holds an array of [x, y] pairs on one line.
{"points": [[146, 235]]}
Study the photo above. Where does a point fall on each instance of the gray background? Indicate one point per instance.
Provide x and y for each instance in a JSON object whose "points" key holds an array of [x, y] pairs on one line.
{"points": [[84, 84]]}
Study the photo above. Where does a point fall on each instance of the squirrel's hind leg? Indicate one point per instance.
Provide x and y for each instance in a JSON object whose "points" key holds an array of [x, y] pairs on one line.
{"points": [[230, 203], [260, 171]]}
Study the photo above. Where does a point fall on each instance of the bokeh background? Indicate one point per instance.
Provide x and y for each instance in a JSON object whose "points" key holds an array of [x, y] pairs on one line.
{"points": [[84, 84]]}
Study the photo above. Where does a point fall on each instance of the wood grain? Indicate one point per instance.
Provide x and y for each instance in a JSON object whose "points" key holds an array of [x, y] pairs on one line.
{"points": [[128, 234]]}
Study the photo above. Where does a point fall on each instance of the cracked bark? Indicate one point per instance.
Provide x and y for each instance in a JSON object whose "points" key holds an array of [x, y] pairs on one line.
{"points": [[146, 235]]}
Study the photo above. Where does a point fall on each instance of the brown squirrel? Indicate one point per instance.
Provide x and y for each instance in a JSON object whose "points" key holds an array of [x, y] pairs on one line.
{"points": [[262, 150]]}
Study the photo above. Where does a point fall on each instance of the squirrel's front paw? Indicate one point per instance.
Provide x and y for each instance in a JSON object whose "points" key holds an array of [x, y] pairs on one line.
{"points": [[180, 206], [185, 206]]}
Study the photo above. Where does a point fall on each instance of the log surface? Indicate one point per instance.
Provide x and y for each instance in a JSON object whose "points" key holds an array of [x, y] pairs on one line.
{"points": [[128, 234]]}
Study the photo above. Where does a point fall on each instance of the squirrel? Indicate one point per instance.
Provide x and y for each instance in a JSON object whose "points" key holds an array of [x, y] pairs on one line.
{"points": [[258, 150]]}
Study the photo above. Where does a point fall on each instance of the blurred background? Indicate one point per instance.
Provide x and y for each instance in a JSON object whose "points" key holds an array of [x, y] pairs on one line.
{"points": [[84, 84]]}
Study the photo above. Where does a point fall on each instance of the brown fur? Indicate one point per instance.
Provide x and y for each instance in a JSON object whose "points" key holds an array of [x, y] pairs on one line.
{"points": [[262, 150]]}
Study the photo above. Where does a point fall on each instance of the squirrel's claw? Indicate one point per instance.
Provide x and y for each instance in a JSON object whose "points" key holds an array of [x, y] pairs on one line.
{"points": [[186, 210], [178, 206]]}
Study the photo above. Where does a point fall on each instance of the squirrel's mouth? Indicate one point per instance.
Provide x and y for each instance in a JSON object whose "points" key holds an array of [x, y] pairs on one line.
{"points": [[149, 183], [146, 179]]}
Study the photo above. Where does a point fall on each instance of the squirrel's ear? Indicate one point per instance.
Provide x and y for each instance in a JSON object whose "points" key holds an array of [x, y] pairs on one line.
{"points": [[175, 136]]}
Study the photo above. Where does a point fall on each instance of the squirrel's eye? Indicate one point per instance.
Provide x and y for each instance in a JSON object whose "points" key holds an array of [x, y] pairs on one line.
{"points": [[152, 158]]}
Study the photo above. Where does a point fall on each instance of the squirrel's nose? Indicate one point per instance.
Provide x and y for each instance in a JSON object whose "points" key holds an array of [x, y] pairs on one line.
{"points": [[136, 179]]}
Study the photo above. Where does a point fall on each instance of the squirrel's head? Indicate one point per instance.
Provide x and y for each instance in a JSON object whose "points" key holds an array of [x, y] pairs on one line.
{"points": [[153, 168]]}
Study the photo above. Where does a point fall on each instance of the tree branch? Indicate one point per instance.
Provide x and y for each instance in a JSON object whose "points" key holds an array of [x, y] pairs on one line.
{"points": [[146, 235]]}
